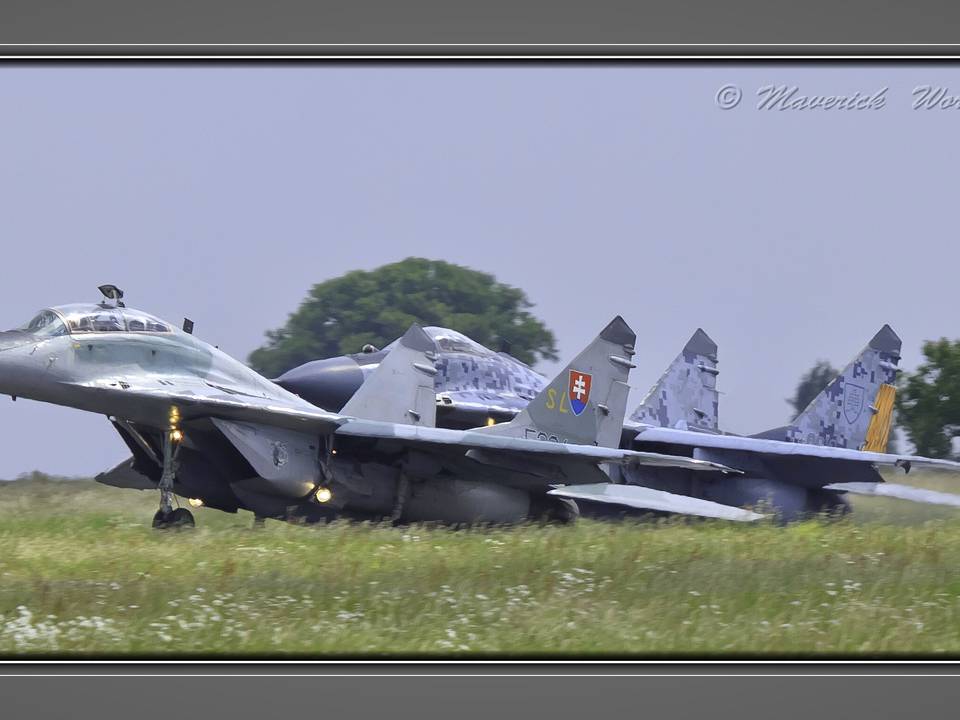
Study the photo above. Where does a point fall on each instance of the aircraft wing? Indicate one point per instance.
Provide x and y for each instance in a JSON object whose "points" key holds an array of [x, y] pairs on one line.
{"points": [[200, 400], [693, 439], [195, 400], [644, 498], [462, 441], [548, 464]]}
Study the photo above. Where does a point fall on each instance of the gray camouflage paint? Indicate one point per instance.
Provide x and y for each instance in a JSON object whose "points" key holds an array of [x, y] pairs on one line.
{"points": [[597, 378], [685, 396]]}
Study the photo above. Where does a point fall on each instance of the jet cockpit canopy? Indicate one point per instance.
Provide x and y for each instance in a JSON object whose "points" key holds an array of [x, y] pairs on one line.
{"points": [[88, 318], [448, 340]]}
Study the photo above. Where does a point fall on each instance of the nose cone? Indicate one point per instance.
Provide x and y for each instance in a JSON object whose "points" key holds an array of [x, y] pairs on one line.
{"points": [[328, 384]]}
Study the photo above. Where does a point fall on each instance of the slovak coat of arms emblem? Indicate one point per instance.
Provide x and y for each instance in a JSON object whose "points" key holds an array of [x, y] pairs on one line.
{"points": [[578, 390]]}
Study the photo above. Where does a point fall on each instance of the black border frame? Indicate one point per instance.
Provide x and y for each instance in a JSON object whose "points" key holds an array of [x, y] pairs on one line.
{"points": [[738, 686]]}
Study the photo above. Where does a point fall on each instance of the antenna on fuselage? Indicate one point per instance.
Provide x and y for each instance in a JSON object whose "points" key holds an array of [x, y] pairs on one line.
{"points": [[112, 296]]}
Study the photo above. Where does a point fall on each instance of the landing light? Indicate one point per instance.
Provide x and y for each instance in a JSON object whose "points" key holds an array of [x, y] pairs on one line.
{"points": [[323, 495], [491, 421], [195, 502], [176, 435]]}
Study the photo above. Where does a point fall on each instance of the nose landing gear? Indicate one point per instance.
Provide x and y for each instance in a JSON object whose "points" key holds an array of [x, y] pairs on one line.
{"points": [[168, 516]]}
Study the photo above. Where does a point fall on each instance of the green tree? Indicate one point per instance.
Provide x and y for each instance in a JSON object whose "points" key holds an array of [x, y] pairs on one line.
{"points": [[340, 315], [928, 401], [811, 384]]}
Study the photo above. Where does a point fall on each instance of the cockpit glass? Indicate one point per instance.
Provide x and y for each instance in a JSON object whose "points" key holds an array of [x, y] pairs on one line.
{"points": [[101, 320], [138, 321], [452, 341], [98, 319], [47, 324]]}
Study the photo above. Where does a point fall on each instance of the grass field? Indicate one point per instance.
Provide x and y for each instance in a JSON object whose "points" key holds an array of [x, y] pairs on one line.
{"points": [[82, 572]]}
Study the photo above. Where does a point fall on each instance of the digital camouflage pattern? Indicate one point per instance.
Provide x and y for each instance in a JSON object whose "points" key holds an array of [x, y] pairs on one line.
{"points": [[685, 396], [840, 415]]}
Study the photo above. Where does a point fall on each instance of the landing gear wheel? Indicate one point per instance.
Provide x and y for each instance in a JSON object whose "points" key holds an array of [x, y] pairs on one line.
{"points": [[554, 509], [828, 504], [564, 512], [180, 518], [160, 520]]}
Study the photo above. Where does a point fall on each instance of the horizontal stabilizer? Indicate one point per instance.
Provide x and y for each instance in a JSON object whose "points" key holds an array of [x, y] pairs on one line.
{"points": [[643, 498], [901, 492]]}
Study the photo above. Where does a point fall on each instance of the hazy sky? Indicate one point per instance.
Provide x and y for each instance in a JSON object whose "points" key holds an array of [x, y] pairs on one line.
{"points": [[224, 193]]}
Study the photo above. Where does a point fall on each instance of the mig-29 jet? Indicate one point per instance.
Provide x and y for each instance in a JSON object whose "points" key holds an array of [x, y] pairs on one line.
{"points": [[474, 385], [831, 449], [203, 426]]}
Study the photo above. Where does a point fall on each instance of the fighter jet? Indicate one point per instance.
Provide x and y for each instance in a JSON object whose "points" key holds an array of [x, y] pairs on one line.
{"points": [[831, 449], [474, 385], [203, 426]]}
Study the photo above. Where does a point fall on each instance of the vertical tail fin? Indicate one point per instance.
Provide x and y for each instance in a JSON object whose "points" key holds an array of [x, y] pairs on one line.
{"points": [[685, 396], [587, 402], [855, 409], [400, 390]]}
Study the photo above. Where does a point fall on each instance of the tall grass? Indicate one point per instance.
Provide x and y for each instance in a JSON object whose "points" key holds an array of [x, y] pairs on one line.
{"points": [[82, 572]]}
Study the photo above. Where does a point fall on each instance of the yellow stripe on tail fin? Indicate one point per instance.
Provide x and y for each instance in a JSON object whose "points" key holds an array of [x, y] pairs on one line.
{"points": [[878, 433]]}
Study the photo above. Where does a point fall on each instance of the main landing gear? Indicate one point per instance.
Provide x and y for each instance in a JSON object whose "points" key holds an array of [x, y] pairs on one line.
{"points": [[176, 518], [168, 516]]}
